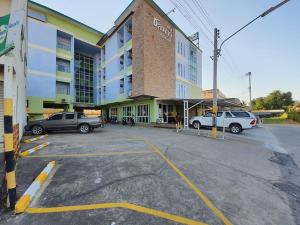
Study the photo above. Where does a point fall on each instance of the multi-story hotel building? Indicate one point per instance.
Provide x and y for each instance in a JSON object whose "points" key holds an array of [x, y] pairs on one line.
{"points": [[142, 67]]}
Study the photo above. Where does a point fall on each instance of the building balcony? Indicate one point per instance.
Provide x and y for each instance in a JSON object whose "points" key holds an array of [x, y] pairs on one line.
{"points": [[64, 53], [128, 45], [128, 70], [64, 99], [63, 76]]}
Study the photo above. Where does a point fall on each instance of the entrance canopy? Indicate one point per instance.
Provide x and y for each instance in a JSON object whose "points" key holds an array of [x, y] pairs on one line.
{"points": [[226, 102], [188, 104]]}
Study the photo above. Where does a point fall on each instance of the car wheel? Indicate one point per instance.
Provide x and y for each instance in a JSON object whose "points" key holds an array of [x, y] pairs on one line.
{"points": [[235, 128], [37, 130], [196, 124], [84, 128]]}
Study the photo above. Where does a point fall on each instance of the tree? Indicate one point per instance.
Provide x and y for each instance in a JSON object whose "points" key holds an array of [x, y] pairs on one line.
{"points": [[258, 104], [275, 100]]}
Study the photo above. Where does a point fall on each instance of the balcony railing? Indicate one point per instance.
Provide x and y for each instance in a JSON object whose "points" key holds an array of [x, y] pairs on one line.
{"points": [[62, 68], [64, 46]]}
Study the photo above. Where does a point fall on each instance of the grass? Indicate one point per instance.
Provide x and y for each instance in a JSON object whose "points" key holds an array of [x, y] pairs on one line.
{"points": [[283, 119]]}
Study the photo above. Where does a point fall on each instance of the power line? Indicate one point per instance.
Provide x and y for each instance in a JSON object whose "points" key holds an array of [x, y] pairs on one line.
{"points": [[204, 25], [205, 14], [230, 61], [190, 18]]}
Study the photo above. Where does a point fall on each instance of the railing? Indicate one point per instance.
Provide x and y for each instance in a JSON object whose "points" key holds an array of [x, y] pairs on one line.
{"points": [[64, 46], [62, 68]]}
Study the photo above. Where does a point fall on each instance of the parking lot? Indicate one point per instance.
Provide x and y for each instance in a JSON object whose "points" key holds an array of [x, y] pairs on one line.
{"points": [[135, 175]]}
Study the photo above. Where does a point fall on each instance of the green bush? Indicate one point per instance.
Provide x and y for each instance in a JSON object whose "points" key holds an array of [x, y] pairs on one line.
{"points": [[294, 116]]}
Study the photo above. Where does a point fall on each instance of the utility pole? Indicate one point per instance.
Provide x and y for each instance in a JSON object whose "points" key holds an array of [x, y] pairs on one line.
{"points": [[215, 84], [217, 53], [250, 91]]}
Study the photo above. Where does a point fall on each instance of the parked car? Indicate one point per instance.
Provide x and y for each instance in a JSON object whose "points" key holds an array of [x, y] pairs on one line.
{"points": [[225, 119], [64, 121], [246, 115]]}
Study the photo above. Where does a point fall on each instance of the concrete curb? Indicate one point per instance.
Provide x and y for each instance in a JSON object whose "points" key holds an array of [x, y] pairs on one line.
{"points": [[24, 201], [32, 150], [35, 139]]}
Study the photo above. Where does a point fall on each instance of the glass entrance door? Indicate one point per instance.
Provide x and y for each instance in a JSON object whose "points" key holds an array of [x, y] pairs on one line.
{"points": [[163, 112]]}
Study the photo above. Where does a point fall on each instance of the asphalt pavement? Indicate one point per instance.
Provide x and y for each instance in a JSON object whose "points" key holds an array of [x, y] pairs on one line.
{"points": [[133, 175]]}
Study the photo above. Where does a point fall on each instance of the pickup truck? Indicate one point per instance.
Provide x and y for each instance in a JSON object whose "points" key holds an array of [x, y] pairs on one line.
{"points": [[64, 121], [225, 119]]}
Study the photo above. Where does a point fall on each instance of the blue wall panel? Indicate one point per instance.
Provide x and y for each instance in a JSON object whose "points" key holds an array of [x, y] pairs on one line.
{"points": [[41, 60], [41, 86], [40, 34], [112, 90], [113, 68]]}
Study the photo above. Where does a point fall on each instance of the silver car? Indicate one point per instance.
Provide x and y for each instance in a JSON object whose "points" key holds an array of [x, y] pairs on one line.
{"points": [[64, 121]]}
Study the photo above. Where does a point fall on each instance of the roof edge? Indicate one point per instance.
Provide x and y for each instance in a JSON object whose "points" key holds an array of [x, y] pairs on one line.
{"points": [[65, 16]]}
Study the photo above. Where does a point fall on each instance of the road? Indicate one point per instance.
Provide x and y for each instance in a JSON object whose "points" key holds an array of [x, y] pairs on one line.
{"points": [[288, 137]]}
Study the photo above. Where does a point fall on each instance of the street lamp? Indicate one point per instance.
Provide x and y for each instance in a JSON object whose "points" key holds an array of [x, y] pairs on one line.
{"points": [[217, 53]]}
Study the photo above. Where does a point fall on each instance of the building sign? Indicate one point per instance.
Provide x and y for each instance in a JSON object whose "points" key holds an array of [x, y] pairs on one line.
{"points": [[166, 32], [9, 29]]}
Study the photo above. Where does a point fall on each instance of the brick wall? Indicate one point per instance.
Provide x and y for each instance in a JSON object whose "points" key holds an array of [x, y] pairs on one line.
{"points": [[153, 54]]}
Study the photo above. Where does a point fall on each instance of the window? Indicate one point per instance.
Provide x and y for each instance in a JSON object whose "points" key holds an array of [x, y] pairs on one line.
{"points": [[62, 88], [56, 117], [209, 114], [228, 114], [127, 112], [240, 114], [121, 62], [113, 112], [63, 65], [81, 115], [84, 78], [122, 86], [64, 43], [181, 50], [70, 116], [104, 91], [219, 114], [143, 112]]}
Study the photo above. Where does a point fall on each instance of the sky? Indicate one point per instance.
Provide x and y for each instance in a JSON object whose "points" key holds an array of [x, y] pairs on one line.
{"points": [[269, 48]]}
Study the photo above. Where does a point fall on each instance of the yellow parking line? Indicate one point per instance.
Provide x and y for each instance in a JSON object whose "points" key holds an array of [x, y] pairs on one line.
{"points": [[137, 208], [88, 154], [200, 194]]}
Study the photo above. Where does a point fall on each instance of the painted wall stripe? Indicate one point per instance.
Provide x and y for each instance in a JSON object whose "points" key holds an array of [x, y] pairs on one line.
{"points": [[137, 208], [8, 107], [11, 180], [8, 124], [24, 201], [9, 142], [9, 159]]}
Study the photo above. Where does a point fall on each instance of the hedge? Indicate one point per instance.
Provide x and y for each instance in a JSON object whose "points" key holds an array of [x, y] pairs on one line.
{"points": [[294, 116]]}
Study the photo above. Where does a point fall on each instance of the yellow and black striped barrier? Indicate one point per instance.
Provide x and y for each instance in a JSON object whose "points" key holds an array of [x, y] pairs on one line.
{"points": [[24, 201], [9, 152], [35, 139], [32, 150]]}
